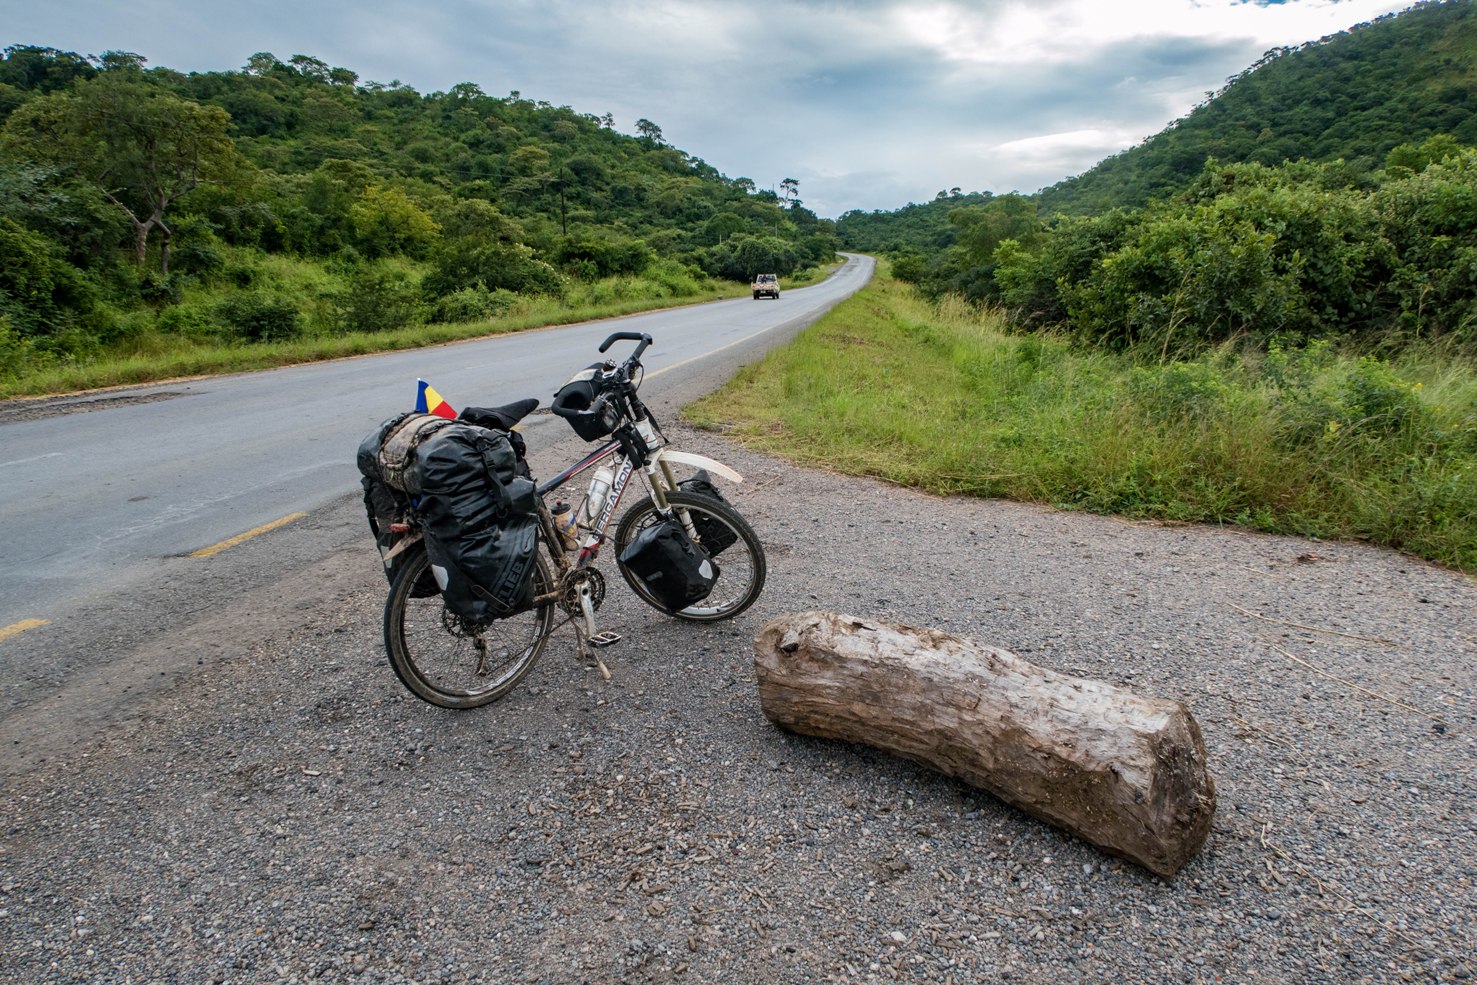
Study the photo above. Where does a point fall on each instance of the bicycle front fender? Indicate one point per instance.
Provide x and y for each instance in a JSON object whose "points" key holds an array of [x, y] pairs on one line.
{"points": [[697, 462]]}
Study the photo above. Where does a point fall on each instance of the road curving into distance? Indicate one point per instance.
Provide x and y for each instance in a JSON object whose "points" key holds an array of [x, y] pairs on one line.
{"points": [[127, 490]]}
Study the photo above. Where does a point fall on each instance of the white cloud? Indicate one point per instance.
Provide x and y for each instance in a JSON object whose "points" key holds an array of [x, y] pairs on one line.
{"points": [[870, 103]]}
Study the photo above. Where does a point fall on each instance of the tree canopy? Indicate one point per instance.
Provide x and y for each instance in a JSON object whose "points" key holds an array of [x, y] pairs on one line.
{"points": [[1325, 192], [193, 179]]}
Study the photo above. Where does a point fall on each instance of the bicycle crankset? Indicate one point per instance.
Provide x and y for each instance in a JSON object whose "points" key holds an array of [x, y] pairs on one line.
{"points": [[570, 600]]}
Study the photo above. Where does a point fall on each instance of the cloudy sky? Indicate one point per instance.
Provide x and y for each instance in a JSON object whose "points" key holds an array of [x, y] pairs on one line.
{"points": [[869, 104]]}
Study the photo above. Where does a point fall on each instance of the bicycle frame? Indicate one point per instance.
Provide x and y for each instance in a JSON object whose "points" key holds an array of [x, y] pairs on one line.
{"points": [[658, 477], [611, 449]]}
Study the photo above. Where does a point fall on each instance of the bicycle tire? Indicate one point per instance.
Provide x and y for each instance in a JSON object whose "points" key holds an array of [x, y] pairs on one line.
{"points": [[435, 655], [742, 567]]}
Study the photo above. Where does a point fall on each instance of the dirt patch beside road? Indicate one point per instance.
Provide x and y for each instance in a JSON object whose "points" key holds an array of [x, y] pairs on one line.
{"points": [[292, 814]]}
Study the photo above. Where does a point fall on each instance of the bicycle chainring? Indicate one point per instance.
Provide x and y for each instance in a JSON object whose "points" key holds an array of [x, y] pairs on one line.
{"points": [[570, 600]]}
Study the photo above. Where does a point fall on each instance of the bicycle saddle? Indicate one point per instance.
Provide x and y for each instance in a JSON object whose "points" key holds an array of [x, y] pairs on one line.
{"points": [[502, 418]]}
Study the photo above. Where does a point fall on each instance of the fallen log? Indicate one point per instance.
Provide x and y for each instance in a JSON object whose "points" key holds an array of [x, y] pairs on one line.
{"points": [[1123, 772]]}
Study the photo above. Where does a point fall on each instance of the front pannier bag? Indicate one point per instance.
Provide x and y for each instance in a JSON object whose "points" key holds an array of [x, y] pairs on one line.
{"points": [[673, 568], [716, 536]]}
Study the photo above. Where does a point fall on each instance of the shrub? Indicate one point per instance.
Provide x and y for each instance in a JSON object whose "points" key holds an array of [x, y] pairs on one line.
{"points": [[588, 257], [41, 293], [198, 257], [1378, 400], [741, 257], [1179, 390], [260, 316], [1180, 283], [378, 298], [463, 263], [190, 321], [16, 352], [472, 304], [674, 279]]}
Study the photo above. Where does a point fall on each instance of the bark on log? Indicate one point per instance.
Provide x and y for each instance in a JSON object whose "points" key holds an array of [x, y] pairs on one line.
{"points": [[1124, 772]]}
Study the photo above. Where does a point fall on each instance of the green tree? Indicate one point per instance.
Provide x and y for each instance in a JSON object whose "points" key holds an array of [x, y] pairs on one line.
{"points": [[722, 226], [981, 228], [466, 263], [386, 220], [37, 69], [1417, 157], [650, 132], [740, 257], [142, 147], [40, 293]]}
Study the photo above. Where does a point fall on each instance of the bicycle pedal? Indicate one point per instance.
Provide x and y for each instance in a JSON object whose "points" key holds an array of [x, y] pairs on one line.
{"points": [[604, 638]]}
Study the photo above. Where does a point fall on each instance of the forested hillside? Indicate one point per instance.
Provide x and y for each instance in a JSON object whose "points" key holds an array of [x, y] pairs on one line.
{"points": [[917, 226], [1355, 216], [1353, 96], [1265, 316], [143, 208]]}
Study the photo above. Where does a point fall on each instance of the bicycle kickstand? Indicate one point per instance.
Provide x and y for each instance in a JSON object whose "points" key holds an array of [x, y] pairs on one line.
{"points": [[585, 633]]}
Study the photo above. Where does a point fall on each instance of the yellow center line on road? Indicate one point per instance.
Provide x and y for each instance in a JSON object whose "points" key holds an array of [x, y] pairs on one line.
{"points": [[16, 628], [215, 549]]}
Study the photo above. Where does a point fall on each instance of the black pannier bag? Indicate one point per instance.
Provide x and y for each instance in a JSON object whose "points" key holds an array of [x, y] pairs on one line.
{"points": [[478, 514], [673, 568], [385, 506], [383, 463], [716, 537], [504, 419], [480, 521]]}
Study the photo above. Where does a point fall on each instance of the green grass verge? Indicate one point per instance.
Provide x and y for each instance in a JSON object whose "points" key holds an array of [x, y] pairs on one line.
{"points": [[151, 353], [1308, 442]]}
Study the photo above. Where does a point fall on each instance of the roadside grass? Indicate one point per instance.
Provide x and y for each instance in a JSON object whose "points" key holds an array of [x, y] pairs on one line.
{"points": [[191, 339], [1307, 441]]}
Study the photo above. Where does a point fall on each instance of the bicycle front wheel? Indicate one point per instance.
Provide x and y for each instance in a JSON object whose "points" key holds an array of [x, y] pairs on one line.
{"points": [[449, 662], [741, 566]]}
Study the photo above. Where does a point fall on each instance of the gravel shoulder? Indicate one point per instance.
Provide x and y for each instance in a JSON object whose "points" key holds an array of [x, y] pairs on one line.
{"points": [[291, 814]]}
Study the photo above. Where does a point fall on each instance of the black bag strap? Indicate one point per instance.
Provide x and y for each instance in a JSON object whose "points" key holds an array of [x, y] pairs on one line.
{"points": [[494, 481]]}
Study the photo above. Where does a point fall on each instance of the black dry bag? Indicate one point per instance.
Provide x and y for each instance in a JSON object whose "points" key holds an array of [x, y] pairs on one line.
{"points": [[717, 537], [673, 568], [480, 521]]}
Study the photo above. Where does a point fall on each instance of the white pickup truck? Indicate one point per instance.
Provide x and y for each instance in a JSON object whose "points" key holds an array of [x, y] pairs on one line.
{"points": [[765, 286]]}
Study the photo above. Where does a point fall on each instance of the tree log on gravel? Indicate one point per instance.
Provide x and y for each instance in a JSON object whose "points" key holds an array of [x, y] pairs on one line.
{"points": [[1124, 772]]}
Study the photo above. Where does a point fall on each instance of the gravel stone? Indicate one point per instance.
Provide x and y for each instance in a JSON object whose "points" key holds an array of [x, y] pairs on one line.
{"points": [[292, 814]]}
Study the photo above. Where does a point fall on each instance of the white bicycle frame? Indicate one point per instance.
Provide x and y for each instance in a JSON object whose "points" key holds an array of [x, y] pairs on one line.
{"points": [[659, 479]]}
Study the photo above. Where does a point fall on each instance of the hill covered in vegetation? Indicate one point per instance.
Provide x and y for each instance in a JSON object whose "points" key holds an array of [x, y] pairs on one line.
{"points": [[143, 208], [1352, 96], [1328, 192]]}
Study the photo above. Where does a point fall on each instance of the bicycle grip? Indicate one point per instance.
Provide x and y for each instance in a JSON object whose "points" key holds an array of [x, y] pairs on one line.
{"points": [[641, 337]]}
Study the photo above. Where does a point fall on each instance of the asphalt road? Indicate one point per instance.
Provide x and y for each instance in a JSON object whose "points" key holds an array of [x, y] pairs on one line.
{"points": [[106, 498]]}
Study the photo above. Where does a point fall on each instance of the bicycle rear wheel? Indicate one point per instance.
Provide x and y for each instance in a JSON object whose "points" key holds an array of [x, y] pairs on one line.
{"points": [[741, 566], [445, 660]]}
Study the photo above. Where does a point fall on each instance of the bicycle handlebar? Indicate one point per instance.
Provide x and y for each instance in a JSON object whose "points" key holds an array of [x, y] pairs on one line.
{"points": [[641, 337]]}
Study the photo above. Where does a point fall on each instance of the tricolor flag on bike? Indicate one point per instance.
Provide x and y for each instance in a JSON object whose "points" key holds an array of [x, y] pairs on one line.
{"points": [[428, 401]]}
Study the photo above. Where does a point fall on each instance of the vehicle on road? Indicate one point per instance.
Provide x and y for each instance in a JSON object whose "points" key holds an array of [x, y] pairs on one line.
{"points": [[683, 549], [765, 286]]}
